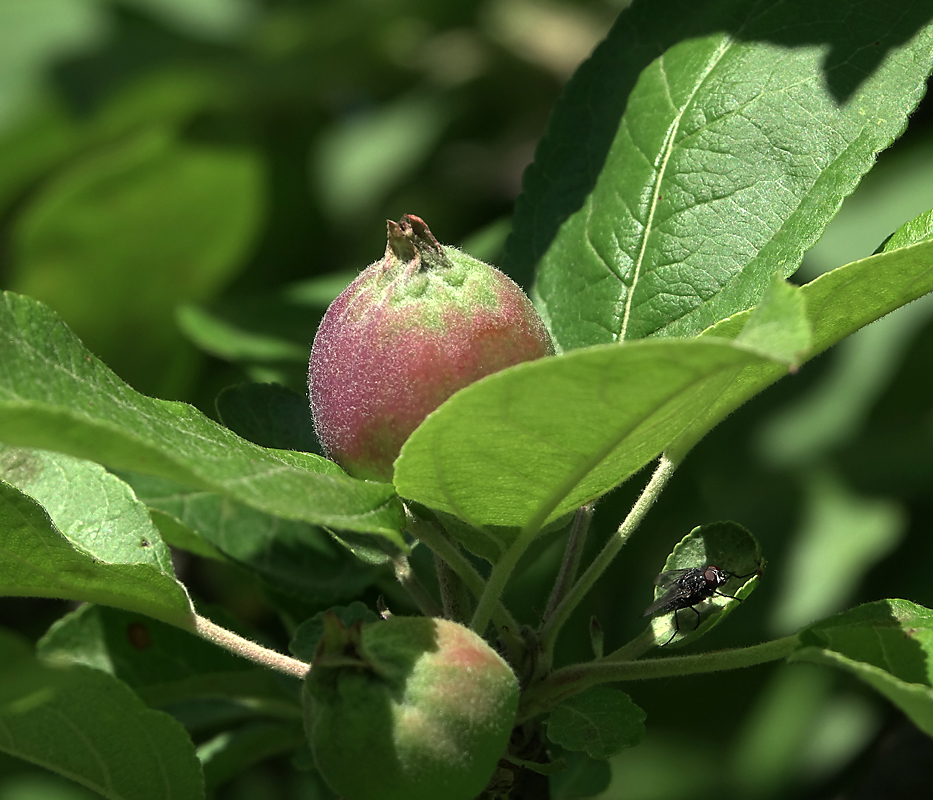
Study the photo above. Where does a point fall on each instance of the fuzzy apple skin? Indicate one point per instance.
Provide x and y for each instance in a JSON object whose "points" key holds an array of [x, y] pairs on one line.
{"points": [[411, 330], [410, 708]]}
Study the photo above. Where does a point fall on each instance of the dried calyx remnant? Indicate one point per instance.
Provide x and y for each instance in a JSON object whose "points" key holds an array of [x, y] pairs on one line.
{"points": [[412, 329]]}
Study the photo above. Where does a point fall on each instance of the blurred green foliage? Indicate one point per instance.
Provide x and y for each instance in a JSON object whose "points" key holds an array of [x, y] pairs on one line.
{"points": [[215, 155], [189, 182]]}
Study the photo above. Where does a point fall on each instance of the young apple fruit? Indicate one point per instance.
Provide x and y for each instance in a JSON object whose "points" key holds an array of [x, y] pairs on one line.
{"points": [[409, 708], [412, 329]]}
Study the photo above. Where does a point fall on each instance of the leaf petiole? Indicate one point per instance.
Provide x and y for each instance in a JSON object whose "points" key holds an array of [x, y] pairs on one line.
{"points": [[568, 681]]}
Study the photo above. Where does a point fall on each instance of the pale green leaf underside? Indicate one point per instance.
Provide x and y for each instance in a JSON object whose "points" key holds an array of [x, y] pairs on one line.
{"points": [[539, 439], [888, 644], [91, 728], [779, 325], [670, 188], [162, 664], [530, 443], [36, 560], [292, 556], [92, 508], [837, 303], [54, 394], [730, 547]]}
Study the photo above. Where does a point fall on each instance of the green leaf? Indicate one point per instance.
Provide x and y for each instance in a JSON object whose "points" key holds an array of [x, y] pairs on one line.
{"points": [[161, 663], [181, 216], [54, 394], [33, 147], [842, 301], [93, 509], [288, 555], [37, 35], [778, 325], [87, 726], [36, 560], [270, 415], [225, 339], [535, 441], [548, 436], [210, 19], [834, 408], [701, 151], [887, 644], [919, 229], [726, 545], [277, 326], [896, 189], [601, 721], [837, 304], [180, 536]]}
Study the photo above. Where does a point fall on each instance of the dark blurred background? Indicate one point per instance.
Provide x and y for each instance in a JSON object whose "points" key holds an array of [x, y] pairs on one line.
{"points": [[188, 183]]}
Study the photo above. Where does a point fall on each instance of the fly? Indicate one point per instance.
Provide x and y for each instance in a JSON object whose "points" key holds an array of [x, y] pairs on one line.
{"points": [[687, 588]]}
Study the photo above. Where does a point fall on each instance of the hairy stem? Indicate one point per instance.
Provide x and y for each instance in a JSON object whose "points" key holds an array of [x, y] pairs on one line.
{"points": [[568, 681], [442, 546], [552, 626], [412, 584], [236, 644], [572, 555], [490, 599], [457, 599]]}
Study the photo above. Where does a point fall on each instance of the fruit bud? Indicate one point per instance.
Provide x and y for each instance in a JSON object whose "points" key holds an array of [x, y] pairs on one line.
{"points": [[411, 330], [411, 708]]}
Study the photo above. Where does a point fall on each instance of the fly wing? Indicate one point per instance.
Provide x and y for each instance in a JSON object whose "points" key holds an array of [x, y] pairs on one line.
{"points": [[674, 592], [667, 579]]}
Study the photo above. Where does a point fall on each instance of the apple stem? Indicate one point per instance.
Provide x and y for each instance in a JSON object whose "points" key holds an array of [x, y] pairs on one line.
{"points": [[237, 645], [441, 545], [412, 584], [572, 555], [458, 602]]}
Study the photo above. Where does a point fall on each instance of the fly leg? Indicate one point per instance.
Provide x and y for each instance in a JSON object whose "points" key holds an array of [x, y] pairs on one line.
{"points": [[694, 610], [676, 629], [677, 624], [730, 596]]}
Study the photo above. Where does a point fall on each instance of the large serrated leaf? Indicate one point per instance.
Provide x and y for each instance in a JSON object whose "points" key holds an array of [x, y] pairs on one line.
{"points": [[54, 394], [701, 151]]}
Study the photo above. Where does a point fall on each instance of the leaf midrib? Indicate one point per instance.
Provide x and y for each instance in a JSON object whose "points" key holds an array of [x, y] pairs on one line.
{"points": [[668, 149]]}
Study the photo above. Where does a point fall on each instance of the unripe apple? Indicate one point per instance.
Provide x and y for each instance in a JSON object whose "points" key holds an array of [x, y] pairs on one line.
{"points": [[412, 329], [410, 708]]}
